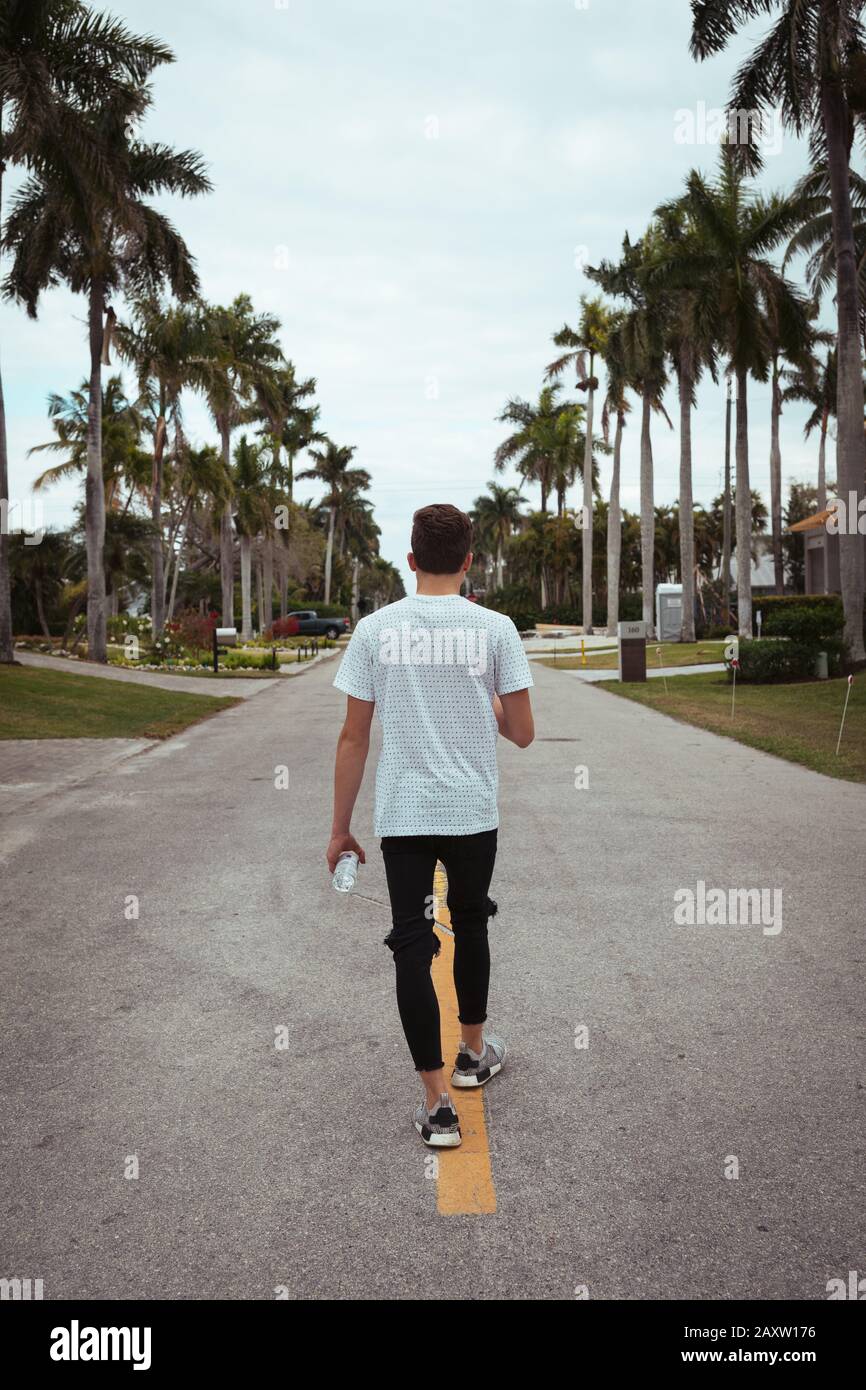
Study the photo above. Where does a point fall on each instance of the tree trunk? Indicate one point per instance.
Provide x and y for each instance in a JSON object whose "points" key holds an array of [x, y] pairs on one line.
{"points": [[7, 645], [329, 554], [260, 591], [776, 480], [586, 518], [94, 493], [822, 467], [246, 589], [177, 561], [614, 534], [849, 400], [647, 516], [227, 562], [268, 577], [743, 510], [500, 563], [40, 608], [687, 512], [726, 518], [356, 588], [157, 593]]}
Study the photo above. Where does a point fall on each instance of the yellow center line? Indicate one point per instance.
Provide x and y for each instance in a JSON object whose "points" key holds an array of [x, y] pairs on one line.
{"points": [[465, 1182]]}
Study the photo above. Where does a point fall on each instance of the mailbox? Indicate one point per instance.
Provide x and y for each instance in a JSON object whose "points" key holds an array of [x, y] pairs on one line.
{"points": [[632, 651], [223, 637]]}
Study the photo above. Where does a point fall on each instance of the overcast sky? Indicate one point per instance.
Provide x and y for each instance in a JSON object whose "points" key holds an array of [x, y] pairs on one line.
{"points": [[413, 189]]}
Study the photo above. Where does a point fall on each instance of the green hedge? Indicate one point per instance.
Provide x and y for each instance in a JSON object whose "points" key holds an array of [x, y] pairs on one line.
{"points": [[811, 620], [767, 659]]}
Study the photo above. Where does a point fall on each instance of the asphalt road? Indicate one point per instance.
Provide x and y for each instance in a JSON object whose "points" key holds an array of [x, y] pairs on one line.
{"points": [[260, 1167]]}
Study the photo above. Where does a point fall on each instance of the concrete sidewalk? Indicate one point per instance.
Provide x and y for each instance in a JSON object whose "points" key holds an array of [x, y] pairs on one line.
{"points": [[612, 673], [242, 688], [159, 1036]]}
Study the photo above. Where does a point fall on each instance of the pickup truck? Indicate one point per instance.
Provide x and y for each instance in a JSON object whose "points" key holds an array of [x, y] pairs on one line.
{"points": [[311, 625]]}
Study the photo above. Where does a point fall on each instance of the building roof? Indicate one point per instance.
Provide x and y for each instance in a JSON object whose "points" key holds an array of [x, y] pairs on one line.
{"points": [[816, 522]]}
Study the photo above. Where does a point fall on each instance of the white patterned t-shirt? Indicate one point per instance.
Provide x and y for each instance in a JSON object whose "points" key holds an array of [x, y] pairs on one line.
{"points": [[432, 663]]}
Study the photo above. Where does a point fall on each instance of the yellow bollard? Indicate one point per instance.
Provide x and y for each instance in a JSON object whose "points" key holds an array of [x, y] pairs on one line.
{"points": [[582, 652]]}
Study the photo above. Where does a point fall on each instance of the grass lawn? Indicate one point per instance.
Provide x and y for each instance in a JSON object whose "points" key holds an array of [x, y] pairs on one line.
{"points": [[35, 703], [673, 654], [798, 722]]}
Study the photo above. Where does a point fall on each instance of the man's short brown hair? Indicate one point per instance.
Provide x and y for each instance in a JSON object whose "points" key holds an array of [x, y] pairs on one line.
{"points": [[441, 538]]}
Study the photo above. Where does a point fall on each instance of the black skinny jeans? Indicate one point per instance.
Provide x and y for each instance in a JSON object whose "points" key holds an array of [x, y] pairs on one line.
{"points": [[410, 861]]}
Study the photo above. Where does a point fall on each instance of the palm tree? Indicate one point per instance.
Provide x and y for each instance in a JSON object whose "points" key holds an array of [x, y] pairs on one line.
{"points": [[758, 309], [96, 233], [615, 403], [532, 445], [56, 56], [252, 516], [690, 326], [798, 351], [362, 541], [810, 64], [584, 345], [161, 341], [814, 238], [122, 458], [496, 513], [331, 467], [815, 385], [201, 480], [641, 349], [240, 353]]}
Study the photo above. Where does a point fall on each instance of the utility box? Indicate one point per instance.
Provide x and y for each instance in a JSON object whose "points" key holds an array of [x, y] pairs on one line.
{"points": [[632, 651], [669, 612]]}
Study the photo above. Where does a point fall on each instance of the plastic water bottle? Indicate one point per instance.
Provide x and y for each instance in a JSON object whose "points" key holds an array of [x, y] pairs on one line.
{"points": [[346, 872]]}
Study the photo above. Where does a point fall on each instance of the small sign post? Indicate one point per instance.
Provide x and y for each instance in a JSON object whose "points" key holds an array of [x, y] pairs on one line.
{"points": [[632, 651]]}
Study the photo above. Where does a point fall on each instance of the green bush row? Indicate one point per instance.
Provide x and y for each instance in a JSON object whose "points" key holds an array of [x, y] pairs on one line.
{"points": [[765, 660]]}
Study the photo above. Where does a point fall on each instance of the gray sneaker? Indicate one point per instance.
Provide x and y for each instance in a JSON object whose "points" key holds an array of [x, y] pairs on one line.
{"points": [[476, 1068], [439, 1128]]}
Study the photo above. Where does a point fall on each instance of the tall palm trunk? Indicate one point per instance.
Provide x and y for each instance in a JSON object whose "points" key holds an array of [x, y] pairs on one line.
{"points": [[586, 519], [227, 563], [329, 554], [157, 594], [776, 480], [500, 563], [268, 578], [260, 593], [94, 494], [822, 464], [849, 407], [7, 648], [647, 514], [614, 534], [178, 559], [356, 589], [744, 509], [687, 512], [726, 517], [246, 588]]}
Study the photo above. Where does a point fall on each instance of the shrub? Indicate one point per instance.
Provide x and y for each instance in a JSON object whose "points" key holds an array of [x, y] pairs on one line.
{"points": [[809, 623], [768, 659], [191, 631], [283, 627]]}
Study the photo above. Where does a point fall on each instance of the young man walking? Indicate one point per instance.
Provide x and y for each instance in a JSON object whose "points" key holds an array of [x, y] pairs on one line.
{"points": [[446, 676]]}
